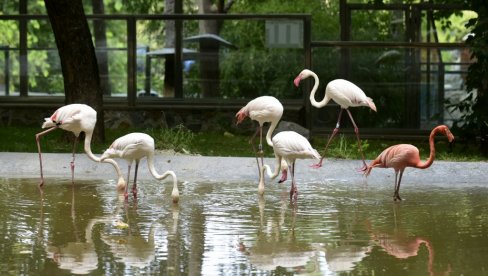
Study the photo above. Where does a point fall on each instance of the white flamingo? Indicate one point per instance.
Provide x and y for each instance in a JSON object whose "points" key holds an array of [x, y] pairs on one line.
{"points": [[289, 145], [263, 109], [344, 93], [75, 118], [133, 147]]}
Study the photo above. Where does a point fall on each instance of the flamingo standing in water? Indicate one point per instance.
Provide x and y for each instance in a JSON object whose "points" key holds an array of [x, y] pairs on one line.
{"points": [[289, 145], [76, 118], [401, 156], [345, 94], [263, 109], [133, 147]]}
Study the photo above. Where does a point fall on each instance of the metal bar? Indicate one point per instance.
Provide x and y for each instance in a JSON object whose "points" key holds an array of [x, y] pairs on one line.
{"points": [[23, 62], [307, 37], [147, 80], [422, 6], [131, 61], [374, 44], [166, 16], [7, 70], [345, 36], [178, 80]]}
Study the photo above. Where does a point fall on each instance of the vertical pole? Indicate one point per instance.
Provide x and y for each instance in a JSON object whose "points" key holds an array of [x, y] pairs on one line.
{"points": [[307, 37], [178, 51], [345, 19], [147, 71], [131, 61], [7, 70], [24, 77]]}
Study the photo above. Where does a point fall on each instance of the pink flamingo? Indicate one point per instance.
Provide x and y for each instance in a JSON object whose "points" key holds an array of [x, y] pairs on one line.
{"points": [[401, 156], [76, 118], [133, 147], [345, 94], [289, 145]]}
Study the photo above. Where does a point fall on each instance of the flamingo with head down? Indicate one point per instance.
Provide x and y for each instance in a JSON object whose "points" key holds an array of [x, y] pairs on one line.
{"points": [[134, 147], [75, 118], [344, 93], [289, 146], [402, 156]]}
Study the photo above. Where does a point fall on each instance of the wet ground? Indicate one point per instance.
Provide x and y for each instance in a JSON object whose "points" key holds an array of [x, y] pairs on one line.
{"points": [[341, 222]]}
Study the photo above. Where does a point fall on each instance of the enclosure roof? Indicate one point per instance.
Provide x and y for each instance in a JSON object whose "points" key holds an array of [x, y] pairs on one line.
{"points": [[209, 38]]}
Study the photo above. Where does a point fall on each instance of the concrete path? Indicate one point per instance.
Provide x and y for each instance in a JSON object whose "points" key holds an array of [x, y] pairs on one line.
{"points": [[239, 169]]}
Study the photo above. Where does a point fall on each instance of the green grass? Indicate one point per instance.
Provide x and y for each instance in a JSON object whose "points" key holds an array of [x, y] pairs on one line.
{"points": [[180, 139]]}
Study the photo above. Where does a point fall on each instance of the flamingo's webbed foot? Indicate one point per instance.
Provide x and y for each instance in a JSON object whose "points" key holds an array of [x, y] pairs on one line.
{"points": [[363, 169], [316, 166]]}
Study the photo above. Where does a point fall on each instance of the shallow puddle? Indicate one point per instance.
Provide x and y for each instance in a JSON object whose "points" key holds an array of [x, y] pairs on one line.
{"points": [[226, 229]]}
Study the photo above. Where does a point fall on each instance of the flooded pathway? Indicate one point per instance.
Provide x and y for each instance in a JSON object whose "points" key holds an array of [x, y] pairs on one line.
{"points": [[225, 228]]}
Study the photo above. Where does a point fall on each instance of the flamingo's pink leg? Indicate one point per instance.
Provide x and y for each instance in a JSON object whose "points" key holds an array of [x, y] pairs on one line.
{"points": [[397, 186], [126, 194], [334, 132], [72, 164], [134, 185], [38, 139], [356, 130], [293, 190]]}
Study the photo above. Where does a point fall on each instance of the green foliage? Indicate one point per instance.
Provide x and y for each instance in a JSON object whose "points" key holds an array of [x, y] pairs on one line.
{"points": [[179, 139], [346, 148], [474, 121]]}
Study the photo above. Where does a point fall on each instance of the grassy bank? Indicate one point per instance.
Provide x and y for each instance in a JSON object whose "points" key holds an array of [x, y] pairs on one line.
{"points": [[22, 139]]}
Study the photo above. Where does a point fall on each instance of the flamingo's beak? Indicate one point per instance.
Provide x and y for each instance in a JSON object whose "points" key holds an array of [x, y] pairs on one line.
{"points": [[297, 80]]}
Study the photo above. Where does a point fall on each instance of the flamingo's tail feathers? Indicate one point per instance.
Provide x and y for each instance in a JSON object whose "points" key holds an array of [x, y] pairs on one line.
{"points": [[241, 115], [371, 104]]}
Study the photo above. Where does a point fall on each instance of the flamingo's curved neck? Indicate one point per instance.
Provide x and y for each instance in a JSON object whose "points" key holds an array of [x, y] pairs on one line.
{"points": [[272, 127], [175, 192], [273, 175], [430, 160], [88, 151], [324, 101]]}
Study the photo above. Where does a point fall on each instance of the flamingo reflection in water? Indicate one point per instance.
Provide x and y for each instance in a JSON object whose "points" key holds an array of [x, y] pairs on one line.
{"points": [[131, 248], [399, 244], [79, 257], [277, 245]]}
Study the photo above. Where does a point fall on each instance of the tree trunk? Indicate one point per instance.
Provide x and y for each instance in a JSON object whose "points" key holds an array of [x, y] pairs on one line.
{"points": [[77, 55], [99, 30]]}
